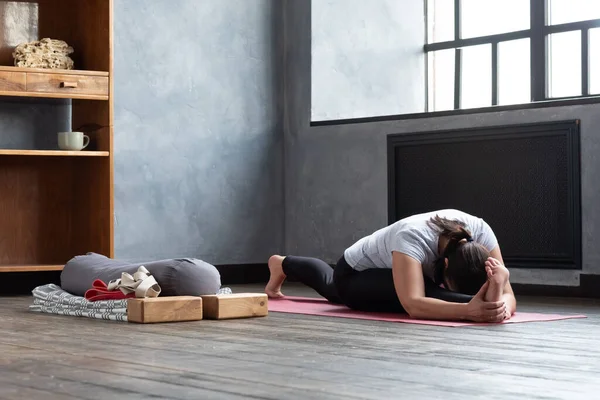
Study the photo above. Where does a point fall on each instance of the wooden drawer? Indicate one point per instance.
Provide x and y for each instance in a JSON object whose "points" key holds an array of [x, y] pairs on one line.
{"points": [[12, 81], [67, 84]]}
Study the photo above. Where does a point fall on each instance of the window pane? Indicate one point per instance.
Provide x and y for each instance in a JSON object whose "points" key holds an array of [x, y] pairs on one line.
{"points": [[564, 11], [440, 20], [441, 80], [476, 77], [565, 64], [488, 17], [594, 42], [514, 75]]}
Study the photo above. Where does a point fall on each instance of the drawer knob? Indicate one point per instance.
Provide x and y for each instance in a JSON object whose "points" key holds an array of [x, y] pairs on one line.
{"points": [[71, 85]]}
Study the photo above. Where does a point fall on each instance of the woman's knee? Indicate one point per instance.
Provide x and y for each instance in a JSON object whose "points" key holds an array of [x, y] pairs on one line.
{"points": [[341, 276]]}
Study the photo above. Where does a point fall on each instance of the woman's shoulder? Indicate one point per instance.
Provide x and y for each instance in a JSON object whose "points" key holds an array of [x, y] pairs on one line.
{"points": [[421, 222], [455, 214], [421, 219], [415, 227]]}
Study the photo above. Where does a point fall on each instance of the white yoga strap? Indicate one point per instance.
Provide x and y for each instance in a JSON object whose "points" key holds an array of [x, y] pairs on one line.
{"points": [[142, 283]]}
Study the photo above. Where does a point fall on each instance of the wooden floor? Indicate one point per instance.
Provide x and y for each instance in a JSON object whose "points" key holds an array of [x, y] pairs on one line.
{"points": [[286, 356]]}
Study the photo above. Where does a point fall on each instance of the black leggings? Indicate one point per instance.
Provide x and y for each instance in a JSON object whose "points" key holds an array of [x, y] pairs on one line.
{"points": [[368, 290]]}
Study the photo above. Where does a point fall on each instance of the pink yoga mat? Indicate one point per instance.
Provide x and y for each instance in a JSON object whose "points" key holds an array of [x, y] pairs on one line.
{"points": [[310, 306]]}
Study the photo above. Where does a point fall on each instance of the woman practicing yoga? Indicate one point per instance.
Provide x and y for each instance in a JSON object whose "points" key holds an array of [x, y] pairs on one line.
{"points": [[442, 265]]}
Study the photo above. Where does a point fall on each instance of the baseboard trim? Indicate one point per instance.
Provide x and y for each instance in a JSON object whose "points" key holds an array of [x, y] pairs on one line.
{"points": [[589, 284], [588, 288], [546, 290], [24, 282], [236, 274]]}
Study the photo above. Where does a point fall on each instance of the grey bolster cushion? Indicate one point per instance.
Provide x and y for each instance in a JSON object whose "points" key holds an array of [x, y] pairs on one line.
{"points": [[176, 277]]}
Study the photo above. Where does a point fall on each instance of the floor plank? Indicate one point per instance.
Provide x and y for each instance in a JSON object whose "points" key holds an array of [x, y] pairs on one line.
{"points": [[286, 356]]}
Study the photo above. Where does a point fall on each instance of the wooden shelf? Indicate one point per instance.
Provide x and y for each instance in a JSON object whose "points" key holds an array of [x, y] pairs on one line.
{"points": [[53, 95], [54, 153], [8, 68], [31, 268]]}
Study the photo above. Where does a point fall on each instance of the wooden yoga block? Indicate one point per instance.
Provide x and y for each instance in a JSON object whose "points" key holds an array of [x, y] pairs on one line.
{"points": [[164, 309], [237, 305]]}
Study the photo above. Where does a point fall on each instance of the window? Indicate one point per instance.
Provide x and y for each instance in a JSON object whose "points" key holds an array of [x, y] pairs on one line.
{"points": [[483, 53]]}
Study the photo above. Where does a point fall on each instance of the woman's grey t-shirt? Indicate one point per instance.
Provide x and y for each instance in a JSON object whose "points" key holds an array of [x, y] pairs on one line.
{"points": [[414, 237]]}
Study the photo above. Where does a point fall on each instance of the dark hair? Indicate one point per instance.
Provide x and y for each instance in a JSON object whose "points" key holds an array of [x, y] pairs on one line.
{"points": [[466, 260]]}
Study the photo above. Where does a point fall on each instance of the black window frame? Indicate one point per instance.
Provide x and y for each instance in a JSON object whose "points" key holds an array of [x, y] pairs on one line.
{"points": [[537, 33]]}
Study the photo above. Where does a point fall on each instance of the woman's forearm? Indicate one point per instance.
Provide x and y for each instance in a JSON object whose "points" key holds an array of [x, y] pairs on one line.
{"points": [[430, 308]]}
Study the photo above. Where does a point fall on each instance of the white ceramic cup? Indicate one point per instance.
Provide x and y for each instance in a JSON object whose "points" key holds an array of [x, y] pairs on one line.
{"points": [[74, 141]]}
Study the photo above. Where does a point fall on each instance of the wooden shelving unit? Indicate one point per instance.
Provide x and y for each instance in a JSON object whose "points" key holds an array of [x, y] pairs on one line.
{"points": [[55, 204]]}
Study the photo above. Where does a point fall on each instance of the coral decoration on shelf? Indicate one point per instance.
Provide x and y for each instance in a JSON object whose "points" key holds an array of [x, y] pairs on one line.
{"points": [[45, 53]]}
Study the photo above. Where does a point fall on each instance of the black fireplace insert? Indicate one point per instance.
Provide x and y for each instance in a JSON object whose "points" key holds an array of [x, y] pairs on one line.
{"points": [[524, 180]]}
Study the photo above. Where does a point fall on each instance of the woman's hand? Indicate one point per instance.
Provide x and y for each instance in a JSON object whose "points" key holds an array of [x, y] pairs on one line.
{"points": [[410, 288], [479, 310]]}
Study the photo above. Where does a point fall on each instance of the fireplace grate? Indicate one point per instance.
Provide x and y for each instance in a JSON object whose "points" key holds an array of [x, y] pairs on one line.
{"points": [[524, 180]]}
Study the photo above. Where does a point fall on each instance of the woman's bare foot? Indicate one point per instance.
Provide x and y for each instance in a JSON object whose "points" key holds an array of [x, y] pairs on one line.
{"points": [[498, 275], [273, 288]]}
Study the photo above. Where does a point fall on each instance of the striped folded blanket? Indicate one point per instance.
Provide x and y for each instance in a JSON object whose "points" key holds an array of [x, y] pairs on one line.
{"points": [[52, 299]]}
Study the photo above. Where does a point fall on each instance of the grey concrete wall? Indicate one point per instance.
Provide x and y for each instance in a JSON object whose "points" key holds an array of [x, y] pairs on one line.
{"points": [[336, 178], [198, 143], [198, 135], [367, 58]]}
